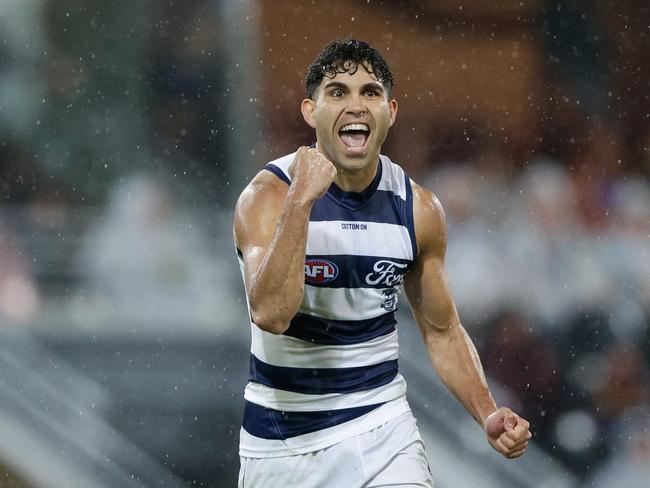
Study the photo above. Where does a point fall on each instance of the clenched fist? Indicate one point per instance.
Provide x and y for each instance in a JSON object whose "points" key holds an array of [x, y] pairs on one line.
{"points": [[507, 432], [311, 174]]}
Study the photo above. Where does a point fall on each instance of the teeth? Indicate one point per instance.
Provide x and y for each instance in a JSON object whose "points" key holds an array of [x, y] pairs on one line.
{"points": [[348, 127]]}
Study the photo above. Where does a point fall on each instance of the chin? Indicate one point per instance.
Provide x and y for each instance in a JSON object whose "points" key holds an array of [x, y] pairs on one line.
{"points": [[349, 160], [355, 163]]}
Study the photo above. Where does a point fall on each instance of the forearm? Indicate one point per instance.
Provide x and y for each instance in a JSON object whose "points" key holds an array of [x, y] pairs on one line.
{"points": [[276, 288], [458, 365]]}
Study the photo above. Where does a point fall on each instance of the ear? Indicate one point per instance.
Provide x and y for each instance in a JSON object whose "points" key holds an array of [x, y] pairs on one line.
{"points": [[392, 107], [308, 107]]}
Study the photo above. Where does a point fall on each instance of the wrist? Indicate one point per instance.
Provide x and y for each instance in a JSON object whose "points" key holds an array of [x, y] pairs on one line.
{"points": [[297, 199], [483, 406]]}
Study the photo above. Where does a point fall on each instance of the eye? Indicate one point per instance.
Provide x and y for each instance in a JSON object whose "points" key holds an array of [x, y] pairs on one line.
{"points": [[336, 93], [371, 93]]}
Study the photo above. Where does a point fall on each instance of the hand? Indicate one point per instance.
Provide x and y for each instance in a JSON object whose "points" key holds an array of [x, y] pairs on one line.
{"points": [[311, 174], [507, 432]]}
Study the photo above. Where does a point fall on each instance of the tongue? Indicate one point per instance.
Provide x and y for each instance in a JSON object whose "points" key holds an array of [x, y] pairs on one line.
{"points": [[353, 140]]}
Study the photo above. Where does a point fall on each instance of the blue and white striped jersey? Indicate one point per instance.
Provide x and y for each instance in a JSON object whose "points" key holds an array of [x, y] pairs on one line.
{"points": [[333, 373]]}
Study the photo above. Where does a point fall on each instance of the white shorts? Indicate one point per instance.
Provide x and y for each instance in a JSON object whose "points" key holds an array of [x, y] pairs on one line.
{"points": [[389, 455]]}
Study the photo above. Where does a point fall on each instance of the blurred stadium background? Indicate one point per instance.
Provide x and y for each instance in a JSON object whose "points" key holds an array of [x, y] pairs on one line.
{"points": [[127, 129]]}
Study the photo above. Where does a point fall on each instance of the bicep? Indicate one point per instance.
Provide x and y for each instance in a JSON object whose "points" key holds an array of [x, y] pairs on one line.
{"points": [[256, 216], [426, 285], [427, 289]]}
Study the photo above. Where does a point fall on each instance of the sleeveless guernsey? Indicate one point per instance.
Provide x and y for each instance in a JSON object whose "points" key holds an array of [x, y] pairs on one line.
{"points": [[333, 374]]}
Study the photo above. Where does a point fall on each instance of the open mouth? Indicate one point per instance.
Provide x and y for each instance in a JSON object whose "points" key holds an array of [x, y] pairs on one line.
{"points": [[354, 136]]}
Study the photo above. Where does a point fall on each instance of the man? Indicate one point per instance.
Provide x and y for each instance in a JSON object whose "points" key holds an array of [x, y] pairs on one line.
{"points": [[325, 236]]}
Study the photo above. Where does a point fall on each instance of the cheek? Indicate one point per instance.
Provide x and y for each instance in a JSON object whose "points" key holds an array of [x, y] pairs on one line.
{"points": [[382, 113], [383, 122], [322, 134], [325, 121]]}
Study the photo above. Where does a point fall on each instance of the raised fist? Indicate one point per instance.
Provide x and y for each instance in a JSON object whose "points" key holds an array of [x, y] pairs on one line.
{"points": [[311, 174]]}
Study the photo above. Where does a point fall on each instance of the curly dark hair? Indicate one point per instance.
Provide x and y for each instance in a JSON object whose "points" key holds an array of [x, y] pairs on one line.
{"points": [[345, 56]]}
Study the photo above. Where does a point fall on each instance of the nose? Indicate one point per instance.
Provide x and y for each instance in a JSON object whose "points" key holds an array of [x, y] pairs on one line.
{"points": [[356, 106]]}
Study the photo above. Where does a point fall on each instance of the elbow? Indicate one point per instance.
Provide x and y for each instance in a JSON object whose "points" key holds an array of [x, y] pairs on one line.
{"points": [[271, 314], [434, 333], [270, 323], [437, 327]]}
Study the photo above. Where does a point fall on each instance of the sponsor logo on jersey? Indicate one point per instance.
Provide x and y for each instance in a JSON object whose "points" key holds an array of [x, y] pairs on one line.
{"points": [[387, 273], [320, 271], [353, 226]]}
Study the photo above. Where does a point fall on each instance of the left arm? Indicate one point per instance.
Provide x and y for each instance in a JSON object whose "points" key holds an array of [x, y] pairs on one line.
{"points": [[449, 346]]}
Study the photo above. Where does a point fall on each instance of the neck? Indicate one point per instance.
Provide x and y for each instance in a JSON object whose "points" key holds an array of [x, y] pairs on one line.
{"points": [[354, 180]]}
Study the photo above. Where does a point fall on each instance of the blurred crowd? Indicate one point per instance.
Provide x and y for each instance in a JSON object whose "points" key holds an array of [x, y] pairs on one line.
{"points": [[550, 267], [112, 191], [143, 263]]}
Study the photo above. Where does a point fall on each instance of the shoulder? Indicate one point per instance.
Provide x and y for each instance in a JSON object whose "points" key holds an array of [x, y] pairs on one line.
{"points": [[265, 186], [259, 205], [271, 182], [280, 167], [429, 219]]}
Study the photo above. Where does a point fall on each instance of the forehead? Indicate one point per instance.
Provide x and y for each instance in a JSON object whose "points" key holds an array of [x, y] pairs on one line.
{"points": [[360, 77]]}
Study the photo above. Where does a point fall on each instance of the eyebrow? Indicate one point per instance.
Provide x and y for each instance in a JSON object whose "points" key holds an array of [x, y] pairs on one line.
{"points": [[337, 84]]}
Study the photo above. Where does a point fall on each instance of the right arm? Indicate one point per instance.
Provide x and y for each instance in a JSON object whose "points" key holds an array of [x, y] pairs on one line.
{"points": [[270, 230]]}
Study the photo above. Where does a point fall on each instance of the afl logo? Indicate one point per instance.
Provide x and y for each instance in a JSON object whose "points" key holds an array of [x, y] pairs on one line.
{"points": [[320, 271]]}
